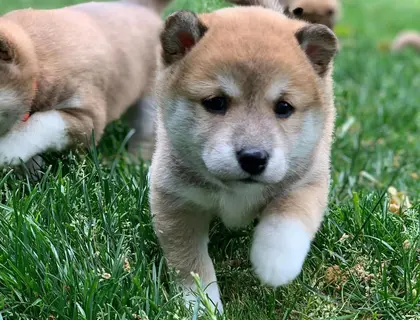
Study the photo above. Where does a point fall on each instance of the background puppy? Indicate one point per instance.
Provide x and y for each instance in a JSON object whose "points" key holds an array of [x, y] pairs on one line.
{"points": [[244, 130], [66, 72], [325, 12], [406, 39], [156, 5]]}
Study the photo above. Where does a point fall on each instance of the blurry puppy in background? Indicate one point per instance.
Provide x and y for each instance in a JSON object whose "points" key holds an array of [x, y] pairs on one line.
{"points": [[325, 12], [406, 39], [67, 72]]}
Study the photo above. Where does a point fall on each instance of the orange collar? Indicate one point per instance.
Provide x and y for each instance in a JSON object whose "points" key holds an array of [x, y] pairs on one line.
{"points": [[27, 115]]}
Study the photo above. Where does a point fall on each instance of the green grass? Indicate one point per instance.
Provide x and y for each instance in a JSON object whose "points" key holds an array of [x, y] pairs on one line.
{"points": [[60, 238]]}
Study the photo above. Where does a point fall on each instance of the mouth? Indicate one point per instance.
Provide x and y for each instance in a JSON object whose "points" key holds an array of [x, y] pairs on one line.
{"points": [[243, 181]]}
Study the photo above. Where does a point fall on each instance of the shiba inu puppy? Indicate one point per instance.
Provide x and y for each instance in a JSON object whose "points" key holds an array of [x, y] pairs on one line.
{"points": [[325, 12], [244, 126], [66, 72], [406, 39]]}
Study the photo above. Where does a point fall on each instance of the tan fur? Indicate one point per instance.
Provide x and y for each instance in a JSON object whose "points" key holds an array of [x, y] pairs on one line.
{"points": [[277, 5], [91, 62], [253, 49], [406, 39], [157, 5], [325, 12]]}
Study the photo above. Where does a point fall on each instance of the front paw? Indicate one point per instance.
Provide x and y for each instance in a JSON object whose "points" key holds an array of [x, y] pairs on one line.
{"points": [[12, 161], [279, 249], [12, 151], [7, 160]]}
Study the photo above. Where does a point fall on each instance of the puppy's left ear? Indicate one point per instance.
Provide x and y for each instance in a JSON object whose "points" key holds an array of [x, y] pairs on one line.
{"points": [[183, 30], [320, 45]]}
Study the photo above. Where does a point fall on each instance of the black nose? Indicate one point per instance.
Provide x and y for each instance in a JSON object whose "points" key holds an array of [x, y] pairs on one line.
{"points": [[252, 160]]}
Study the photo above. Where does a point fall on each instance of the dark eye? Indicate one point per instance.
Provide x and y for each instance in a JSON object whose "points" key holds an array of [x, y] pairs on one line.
{"points": [[283, 109], [217, 105]]}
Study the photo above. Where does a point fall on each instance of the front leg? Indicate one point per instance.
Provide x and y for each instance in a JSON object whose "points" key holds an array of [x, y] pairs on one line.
{"points": [[141, 117], [183, 234], [283, 236], [53, 130]]}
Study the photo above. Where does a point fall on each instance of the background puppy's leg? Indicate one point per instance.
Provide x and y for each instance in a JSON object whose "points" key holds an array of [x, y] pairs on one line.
{"points": [[141, 117], [183, 235], [283, 236], [53, 130], [34, 167]]}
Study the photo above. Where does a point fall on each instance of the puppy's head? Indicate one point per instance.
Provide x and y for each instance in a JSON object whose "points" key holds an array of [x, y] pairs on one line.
{"points": [[17, 68], [325, 12], [245, 92]]}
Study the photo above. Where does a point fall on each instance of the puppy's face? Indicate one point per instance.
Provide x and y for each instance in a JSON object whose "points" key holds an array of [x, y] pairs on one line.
{"points": [[325, 12], [244, 102], [16, 89]]}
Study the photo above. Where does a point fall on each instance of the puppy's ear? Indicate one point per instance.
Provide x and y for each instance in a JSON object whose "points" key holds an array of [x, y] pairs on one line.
{"points": [[7, 52], [182, 31], [320, 45]]}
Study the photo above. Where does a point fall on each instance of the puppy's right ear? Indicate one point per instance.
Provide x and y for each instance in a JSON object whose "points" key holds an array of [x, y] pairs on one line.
{"points": [[7, 53], [319, 44], [182, 31]]}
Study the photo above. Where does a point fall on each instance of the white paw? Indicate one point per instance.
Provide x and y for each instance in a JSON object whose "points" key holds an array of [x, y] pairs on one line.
{"points": [[43, 131], [212, 291], [12, 150], [279, 249]]}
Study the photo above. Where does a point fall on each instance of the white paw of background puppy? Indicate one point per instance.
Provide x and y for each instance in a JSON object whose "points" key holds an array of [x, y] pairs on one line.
{"points": [[42, 132], [10, 150], [279, 249]]}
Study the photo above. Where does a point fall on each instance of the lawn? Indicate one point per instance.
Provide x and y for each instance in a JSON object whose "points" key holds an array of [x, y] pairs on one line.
{"points": [[79, 243]]}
